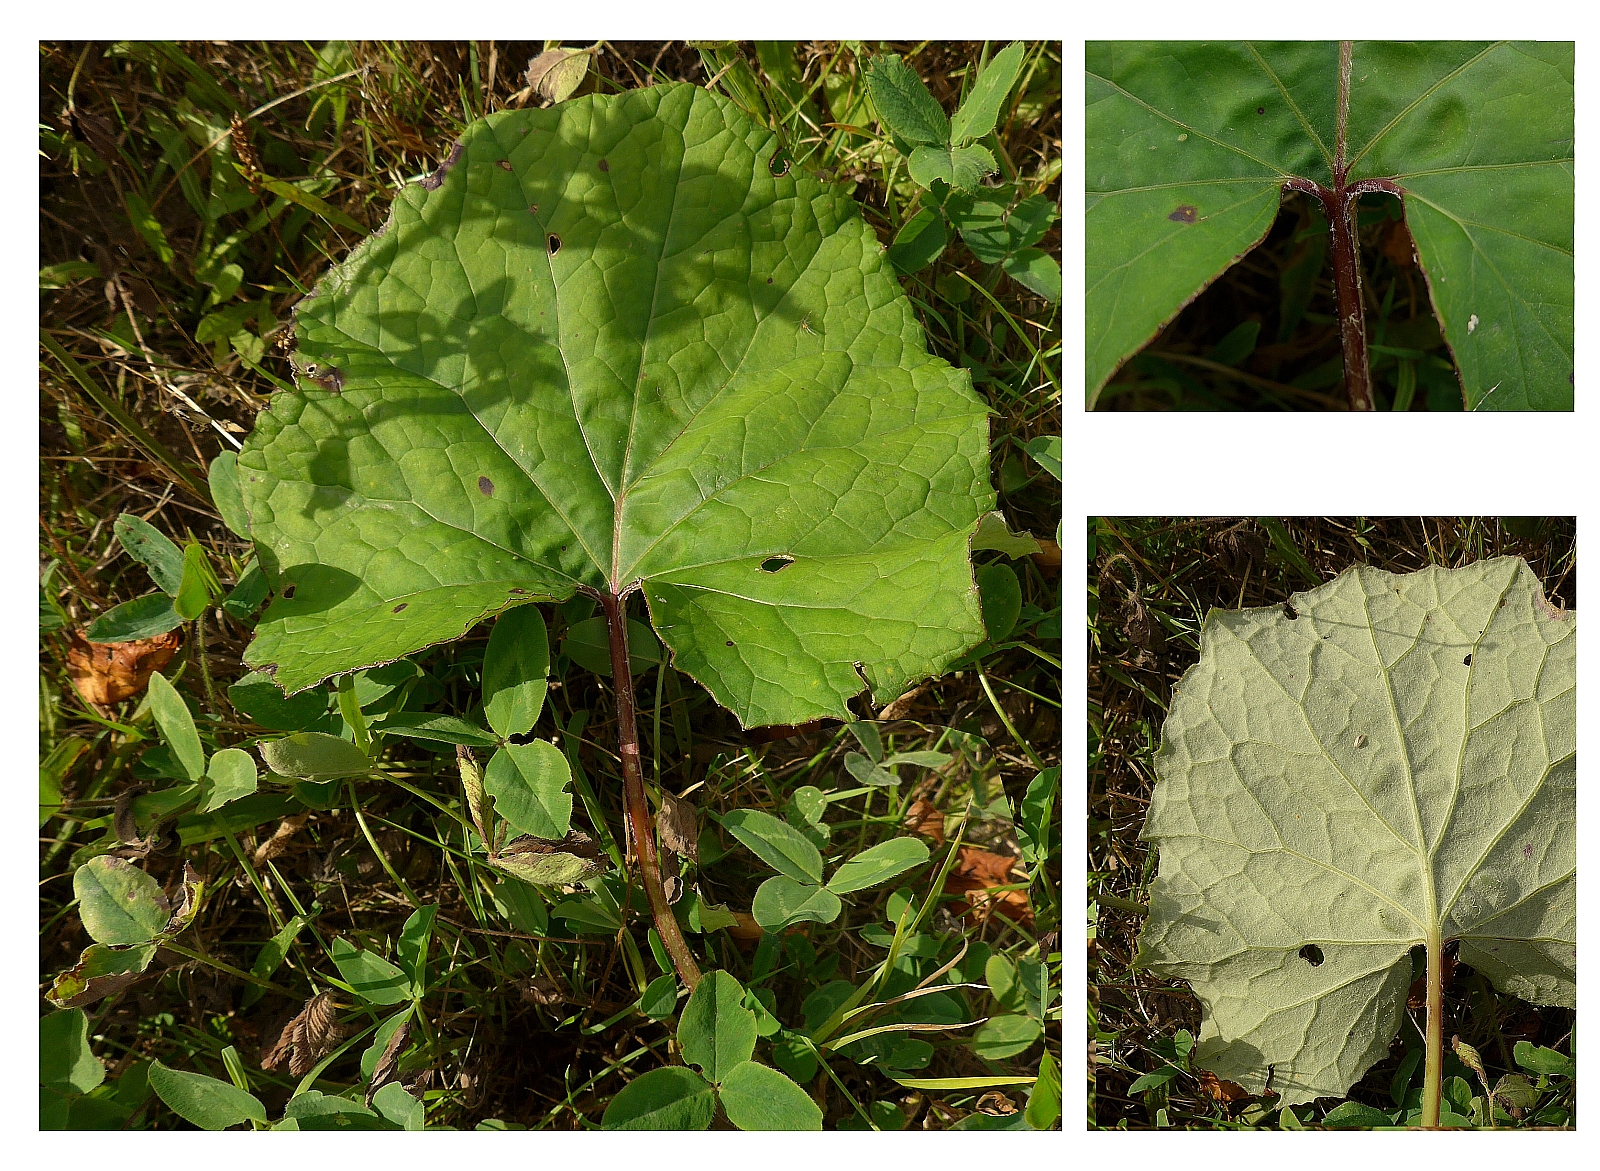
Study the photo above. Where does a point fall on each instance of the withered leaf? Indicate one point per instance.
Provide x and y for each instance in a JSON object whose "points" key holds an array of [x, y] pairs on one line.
{"points": [[976, 874], [544, 862], [279, 841], [310, 1035], [110, 672], [556, 74], [680, 830], [387, 1060], [543, 991], [926, 819], [1219, 1089]]}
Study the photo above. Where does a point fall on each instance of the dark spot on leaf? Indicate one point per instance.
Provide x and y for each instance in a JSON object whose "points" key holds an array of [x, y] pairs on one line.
{"points": [[553, 243], [1312, 954], [778, 164], [1261, 109], [769, 280], [604, 166], [1467, 662], [1289, 612], [1502, 603], [503, 164], [486, 485], [400, 607], [432, 182], [1184, 214], [288, 590], [773, 564], [518, 590], [728, 643], [1527, 851]]}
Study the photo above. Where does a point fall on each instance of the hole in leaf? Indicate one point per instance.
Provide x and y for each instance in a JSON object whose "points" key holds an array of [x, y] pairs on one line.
{"points": [[519, 589], [728, 643], [486, 485], [400, 607], [288, 590], [1467, 662], [503, 164], [1261, 109], [1289, 612], [1312, 954], [604, 166], [773, 564], [778, 164], [521, 738], [553, 243]]}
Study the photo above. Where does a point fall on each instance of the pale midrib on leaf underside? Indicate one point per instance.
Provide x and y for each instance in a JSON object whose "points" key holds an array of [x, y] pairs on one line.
{"points": [[1435, 914]]}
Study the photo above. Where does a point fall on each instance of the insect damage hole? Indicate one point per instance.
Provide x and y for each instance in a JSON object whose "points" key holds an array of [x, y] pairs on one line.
{"points": [[288, 591], [503, 164], [773, 564], [1467, 662], [778, 164], [1312, 954], [1290, 612], [553, 243], [1361, 740]]}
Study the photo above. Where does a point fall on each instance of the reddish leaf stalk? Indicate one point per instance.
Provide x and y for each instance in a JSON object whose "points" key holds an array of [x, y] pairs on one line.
{"points": [[638, 809]]}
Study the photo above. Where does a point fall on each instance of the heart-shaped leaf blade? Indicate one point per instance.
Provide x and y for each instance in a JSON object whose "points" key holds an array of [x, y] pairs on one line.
{"points": [[1386, 761], [608, 346]]}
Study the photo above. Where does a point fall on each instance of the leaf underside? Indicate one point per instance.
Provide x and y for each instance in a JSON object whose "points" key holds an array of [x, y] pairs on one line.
{"points": [[611, 348], [1395, 763], [1189, 146]]}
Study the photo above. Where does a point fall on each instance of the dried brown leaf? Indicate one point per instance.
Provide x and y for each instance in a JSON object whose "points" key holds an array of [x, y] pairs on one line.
{"points": [[110, 672], [926, 819], [279, 841], [680, 830], [310, 1035], [976, 874], [556, 74], [387, 1060]]}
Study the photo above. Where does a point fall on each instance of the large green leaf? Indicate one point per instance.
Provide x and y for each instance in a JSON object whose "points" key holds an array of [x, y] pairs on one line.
{"points": [[616, 343], [1189, 145], [1385, 761]]}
